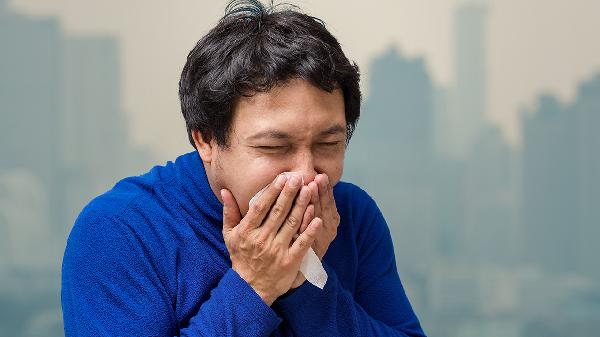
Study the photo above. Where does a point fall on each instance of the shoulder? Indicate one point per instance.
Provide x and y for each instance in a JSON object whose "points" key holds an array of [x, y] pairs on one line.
{"points": [[95, 232], [108, 262], [132, 199], [119, 219], [357, 208], [126, 191], [108, 242], [132, 205]]}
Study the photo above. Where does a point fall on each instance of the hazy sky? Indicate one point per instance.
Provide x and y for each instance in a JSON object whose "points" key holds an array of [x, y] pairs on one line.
{"points": [[533, 46]]}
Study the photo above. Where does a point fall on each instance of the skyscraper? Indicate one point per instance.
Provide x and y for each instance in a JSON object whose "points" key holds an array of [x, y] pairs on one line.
{"points": [[549, 188], [96, 144], [586, 112], [561, 183], [391, 156], [468, 101], [31, 96]]}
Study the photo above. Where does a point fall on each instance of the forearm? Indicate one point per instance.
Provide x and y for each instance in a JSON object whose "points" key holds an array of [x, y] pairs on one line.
{"points": [[335, 312], [233, 309]]}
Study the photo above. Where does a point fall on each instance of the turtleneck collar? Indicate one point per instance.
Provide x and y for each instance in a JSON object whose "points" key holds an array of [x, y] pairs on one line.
{"points": [[193, 182]]}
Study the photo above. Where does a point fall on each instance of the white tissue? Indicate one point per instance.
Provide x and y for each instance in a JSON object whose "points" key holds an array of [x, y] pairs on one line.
{"points": [[311, 267]]}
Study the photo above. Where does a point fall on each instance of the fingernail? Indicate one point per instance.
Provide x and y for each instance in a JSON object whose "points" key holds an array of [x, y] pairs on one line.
{"points": [[294, 181], [280, 181]]}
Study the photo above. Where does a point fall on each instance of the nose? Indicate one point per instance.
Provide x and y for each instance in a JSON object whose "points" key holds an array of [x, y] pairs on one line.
{"points": [[305, 165]]}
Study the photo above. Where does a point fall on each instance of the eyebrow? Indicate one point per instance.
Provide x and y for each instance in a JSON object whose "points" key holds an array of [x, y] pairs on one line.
{"points": [[278, 134]]}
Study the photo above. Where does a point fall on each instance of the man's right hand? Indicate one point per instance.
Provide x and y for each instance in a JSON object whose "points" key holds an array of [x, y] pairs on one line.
{"points": [[260, 245]]}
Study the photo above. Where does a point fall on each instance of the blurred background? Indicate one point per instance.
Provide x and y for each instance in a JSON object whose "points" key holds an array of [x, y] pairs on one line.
{"points": [[478, 139]]}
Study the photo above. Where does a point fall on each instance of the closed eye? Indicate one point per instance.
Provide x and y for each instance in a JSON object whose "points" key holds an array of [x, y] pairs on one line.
{"points": [[271, 147]]}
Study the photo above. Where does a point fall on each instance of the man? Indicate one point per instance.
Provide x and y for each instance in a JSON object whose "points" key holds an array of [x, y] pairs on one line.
{"points": [[179, 251]]}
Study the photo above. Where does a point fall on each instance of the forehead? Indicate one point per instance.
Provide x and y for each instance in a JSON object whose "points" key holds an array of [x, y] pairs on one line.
{"points": [[296, 108]]}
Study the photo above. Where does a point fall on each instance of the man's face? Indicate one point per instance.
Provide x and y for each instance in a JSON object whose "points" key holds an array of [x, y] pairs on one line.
{"points": [[293, 127]]}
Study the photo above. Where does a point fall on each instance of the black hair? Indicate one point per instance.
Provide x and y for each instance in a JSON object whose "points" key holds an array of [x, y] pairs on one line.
{"points": [[252, 49]]}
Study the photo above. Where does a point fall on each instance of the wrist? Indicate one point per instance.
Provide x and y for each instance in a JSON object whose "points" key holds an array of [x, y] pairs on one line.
{"points": [[266, 297]]}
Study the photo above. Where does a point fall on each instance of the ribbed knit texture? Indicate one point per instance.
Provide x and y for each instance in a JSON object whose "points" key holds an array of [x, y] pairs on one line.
{"points": [[147, 258]]}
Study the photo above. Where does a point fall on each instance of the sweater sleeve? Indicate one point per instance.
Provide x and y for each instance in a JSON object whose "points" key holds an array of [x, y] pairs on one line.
{"points": [[111, 287], [379, 305]]}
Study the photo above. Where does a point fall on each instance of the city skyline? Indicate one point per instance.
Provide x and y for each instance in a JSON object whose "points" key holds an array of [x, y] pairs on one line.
{"points": [[518, 69], [491, 242]]}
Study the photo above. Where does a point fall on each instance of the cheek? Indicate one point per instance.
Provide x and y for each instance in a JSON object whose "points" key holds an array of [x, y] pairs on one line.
{"points": [[336, 175], [334, 168]]}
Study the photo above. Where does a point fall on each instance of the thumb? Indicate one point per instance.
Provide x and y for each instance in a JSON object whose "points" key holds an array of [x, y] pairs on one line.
{"points": [[231, 211]]}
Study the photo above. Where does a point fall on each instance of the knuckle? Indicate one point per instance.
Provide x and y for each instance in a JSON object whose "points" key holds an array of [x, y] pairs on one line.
{"points": [[292, 221], [303, 244], [243, 246], [277, 210], [259, 244], [258, 207]]}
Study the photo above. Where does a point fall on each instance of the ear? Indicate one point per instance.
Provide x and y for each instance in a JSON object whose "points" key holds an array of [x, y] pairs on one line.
{"points": [[205, 149]]}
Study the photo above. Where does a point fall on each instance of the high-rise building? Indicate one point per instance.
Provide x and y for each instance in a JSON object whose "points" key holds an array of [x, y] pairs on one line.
{"points": [[31, 96], [468, 100], [549, 187], [62, 121], [586, 112], [561, 183], [490, 235], [96, 144], [391, 156], [398, 114]]}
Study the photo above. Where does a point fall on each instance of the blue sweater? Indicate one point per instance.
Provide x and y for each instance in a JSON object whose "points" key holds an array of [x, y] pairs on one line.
{"points": [[147, 258]]}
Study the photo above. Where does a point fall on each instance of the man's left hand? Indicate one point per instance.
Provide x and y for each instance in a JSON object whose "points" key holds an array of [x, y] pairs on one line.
{"points": [[322, 204], [324, 208]]}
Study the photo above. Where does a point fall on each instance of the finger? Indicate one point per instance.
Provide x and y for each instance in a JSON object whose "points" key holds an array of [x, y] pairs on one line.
{"points": [[331, 196], [282, 206], [231, 211], [315, 198], [260, 208], [306, 239], [327, 202], [323, 195], [309, 214], [292, 222]]}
